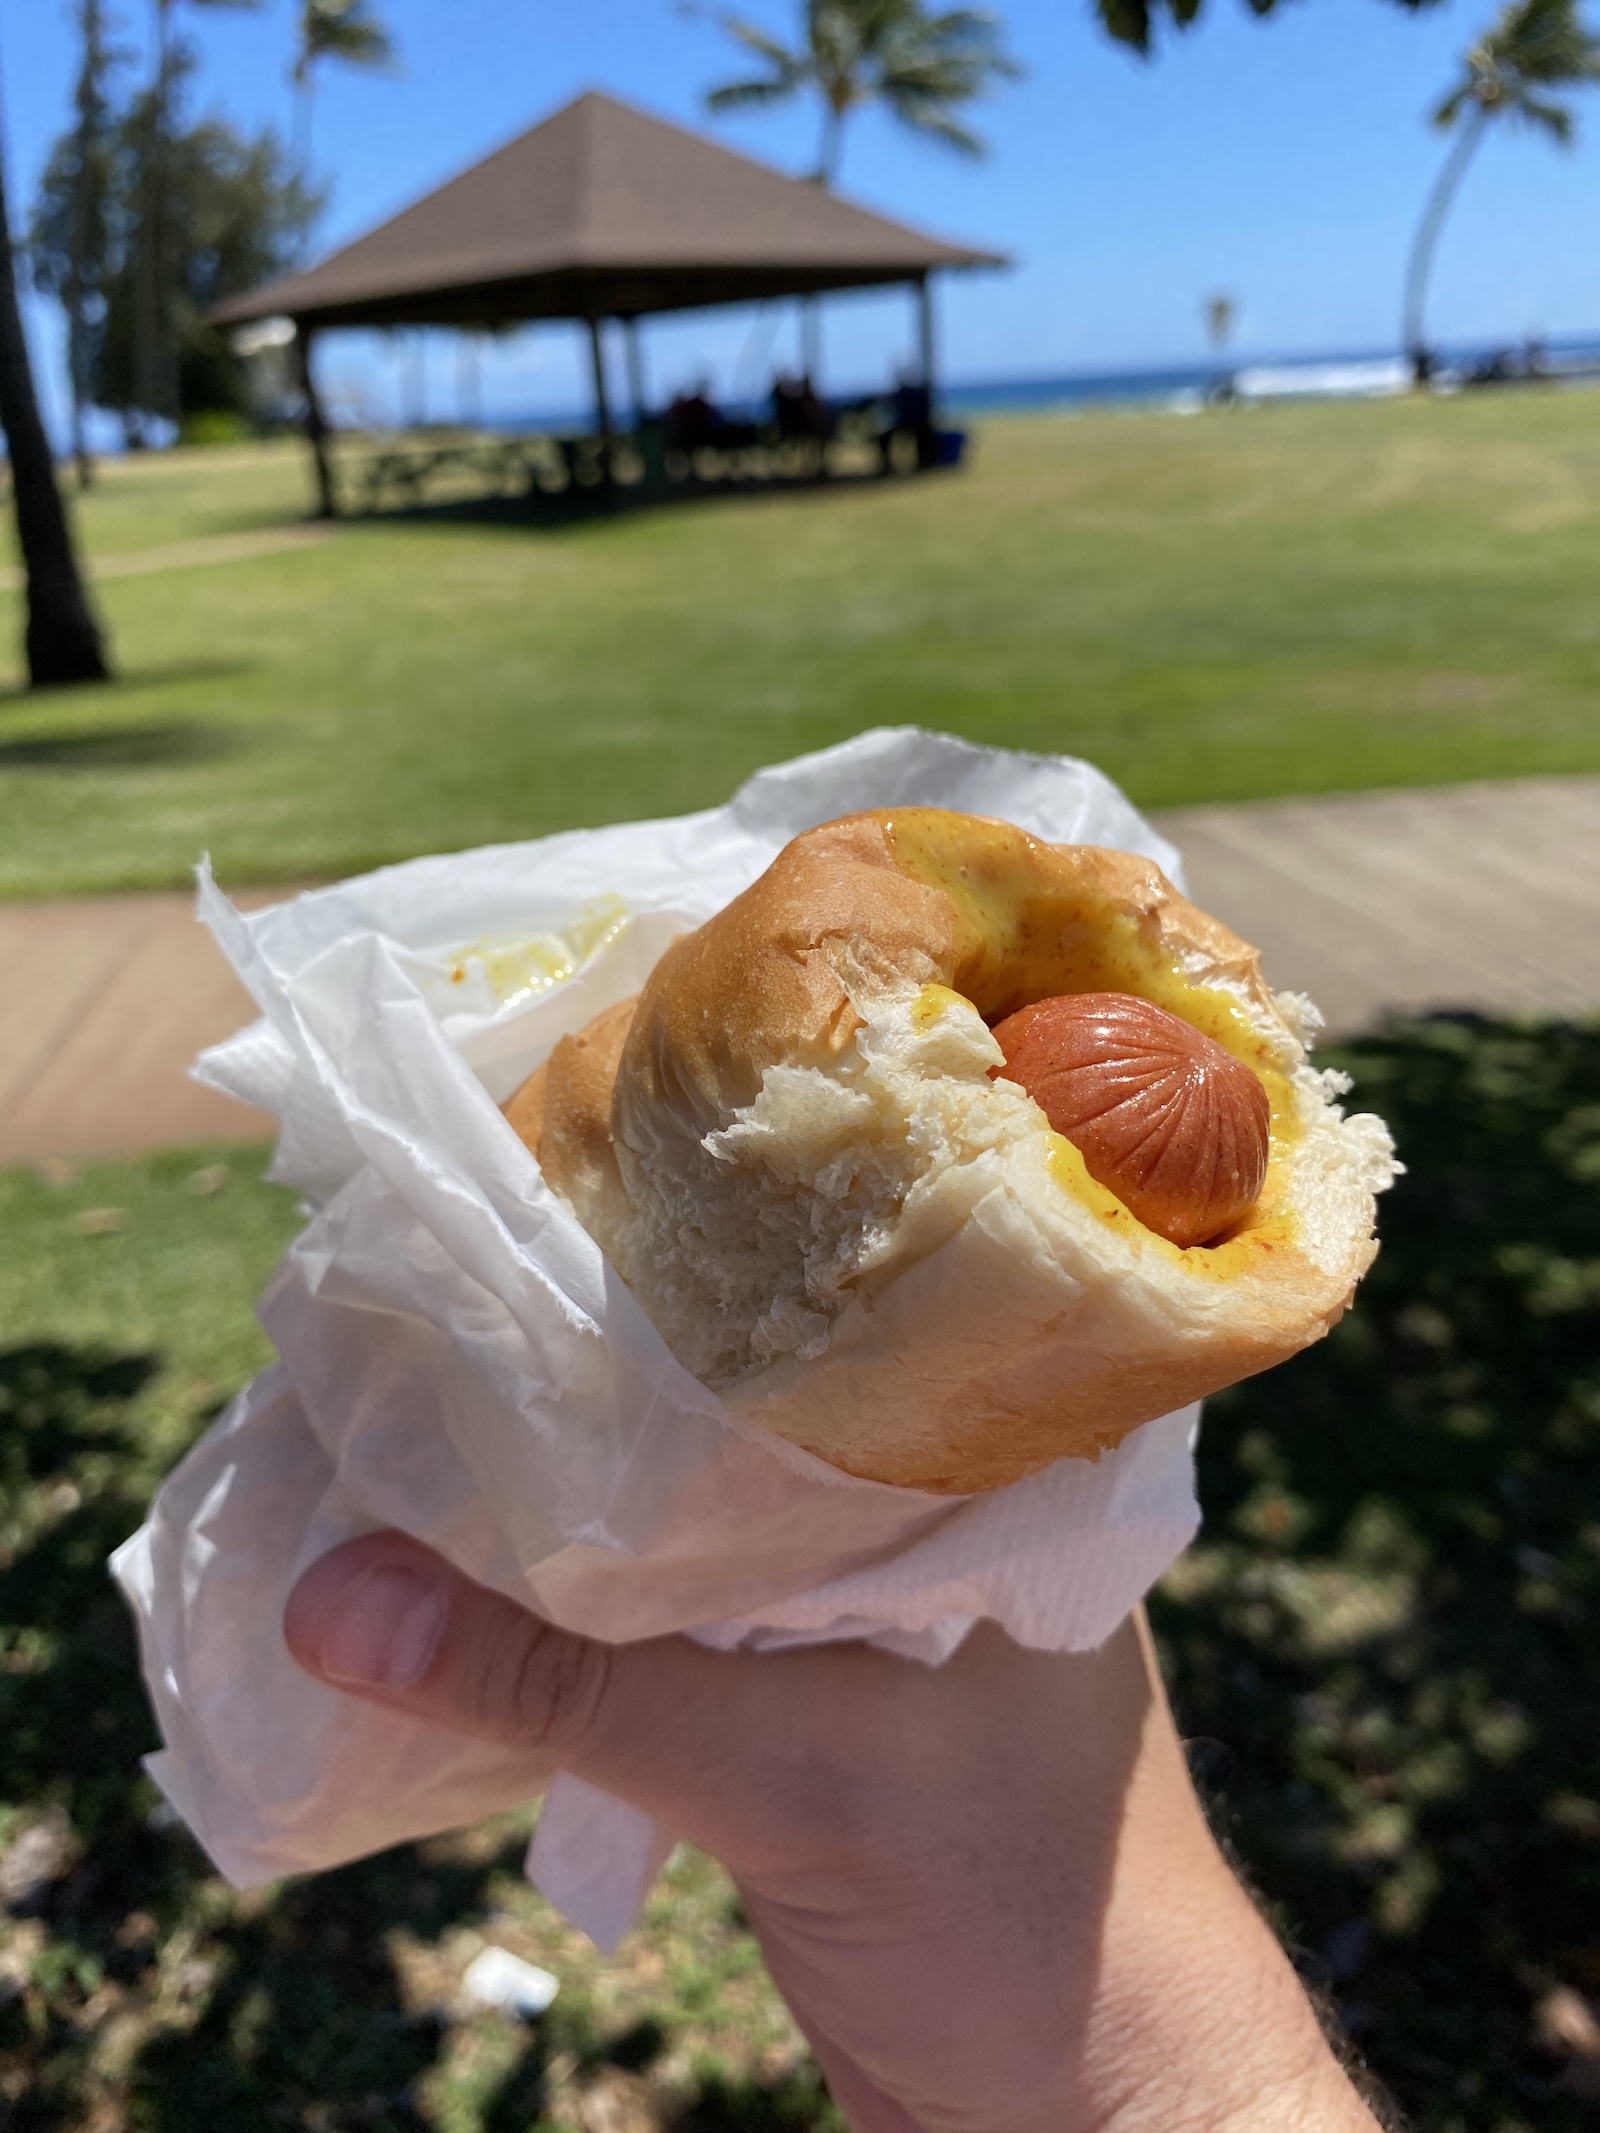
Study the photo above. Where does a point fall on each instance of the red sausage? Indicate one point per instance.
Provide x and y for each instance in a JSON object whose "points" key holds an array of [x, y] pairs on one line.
{"points": [[1166, 1119]]}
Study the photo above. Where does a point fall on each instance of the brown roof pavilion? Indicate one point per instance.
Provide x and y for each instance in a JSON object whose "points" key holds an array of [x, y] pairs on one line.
{"points": [[602, 212]]}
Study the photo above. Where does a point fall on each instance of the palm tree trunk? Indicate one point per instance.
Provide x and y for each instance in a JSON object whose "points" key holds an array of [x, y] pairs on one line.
{"points": [[63, 640], [78, 276], [82, 459], [151, 306], [77, 364], [1427, 238], [316, 424], [167, 381]]}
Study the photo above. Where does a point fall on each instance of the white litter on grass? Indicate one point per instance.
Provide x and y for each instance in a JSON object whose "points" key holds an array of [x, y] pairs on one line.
{"points": [[497, 1978], [39, 1856]]}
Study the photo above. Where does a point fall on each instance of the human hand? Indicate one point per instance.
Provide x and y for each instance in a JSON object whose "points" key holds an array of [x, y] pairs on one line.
{"points": [[986, 1889]]}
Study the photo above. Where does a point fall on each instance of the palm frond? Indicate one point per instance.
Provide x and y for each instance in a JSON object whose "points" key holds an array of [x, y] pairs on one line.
{"points": [[757, 40], [1533, 47], [932, 120], [358, 45], [1551, 118], [1128, 22], [1453, 106], [739, 95], [1543, 41], [920, 64], [840, 36], [950, 76], [947, 60], [978, 30], [788, 70], [346, 30]]}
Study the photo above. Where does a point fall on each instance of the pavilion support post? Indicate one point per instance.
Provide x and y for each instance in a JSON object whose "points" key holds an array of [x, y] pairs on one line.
{"points": [[602, 403], [316, 423], [469, 378], [811, 339], [927, 431], [416, 413], [630, 328], [925, 338]]}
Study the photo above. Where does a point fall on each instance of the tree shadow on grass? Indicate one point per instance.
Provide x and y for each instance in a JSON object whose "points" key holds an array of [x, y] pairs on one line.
{"points": [[286, 2007], [564, 510], [271, 2011], [302, 2021], [18, 695], [290, 2005], [156, 746], [788, 2106], [1386, 1640], [1387, 1637]]}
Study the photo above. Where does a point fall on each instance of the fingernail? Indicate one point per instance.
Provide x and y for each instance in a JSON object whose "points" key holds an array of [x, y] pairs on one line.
{"points": [[383, 1629]]}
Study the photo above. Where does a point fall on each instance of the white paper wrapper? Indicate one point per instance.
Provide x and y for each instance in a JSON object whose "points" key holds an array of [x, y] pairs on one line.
{"points": [[458, 1360]]}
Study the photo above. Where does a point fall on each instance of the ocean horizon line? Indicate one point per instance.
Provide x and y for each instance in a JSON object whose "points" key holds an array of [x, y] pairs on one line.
{"points": [[1344, 372]]}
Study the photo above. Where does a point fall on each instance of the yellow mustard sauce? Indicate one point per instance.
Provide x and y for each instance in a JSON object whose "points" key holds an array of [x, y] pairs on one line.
{"points": [[1025, 933], [519, 965], [931, 1002]]}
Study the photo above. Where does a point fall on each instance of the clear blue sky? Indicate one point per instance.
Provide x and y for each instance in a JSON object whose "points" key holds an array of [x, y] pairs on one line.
{"points": [[1283, 161]]}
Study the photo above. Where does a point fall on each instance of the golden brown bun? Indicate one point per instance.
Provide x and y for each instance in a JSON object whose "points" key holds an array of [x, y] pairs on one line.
{"points": [[798, 1161], [523, 1110], [562, 1112]]}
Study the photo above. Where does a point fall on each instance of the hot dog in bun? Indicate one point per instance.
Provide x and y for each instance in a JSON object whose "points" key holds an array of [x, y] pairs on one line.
{"points": [[945, 1152]]}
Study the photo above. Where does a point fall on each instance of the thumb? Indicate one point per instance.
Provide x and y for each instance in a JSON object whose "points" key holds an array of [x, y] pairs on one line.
{"points": [[705, 1740], [386, 1619]]}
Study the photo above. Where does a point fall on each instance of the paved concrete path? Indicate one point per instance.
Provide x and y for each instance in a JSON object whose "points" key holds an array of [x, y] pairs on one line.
{"points": [[1482, 896], [189, 555], [104, 1004]]}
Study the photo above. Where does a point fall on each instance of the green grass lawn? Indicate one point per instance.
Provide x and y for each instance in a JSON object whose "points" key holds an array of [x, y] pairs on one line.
{"points": [[136, 1990], [1233, 605], [154, 500], [1383, 1651]]}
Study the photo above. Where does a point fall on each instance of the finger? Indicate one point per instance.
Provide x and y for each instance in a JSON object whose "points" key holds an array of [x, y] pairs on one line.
{"points": [[711, 1742], [767, 1760], [387, 1619]]}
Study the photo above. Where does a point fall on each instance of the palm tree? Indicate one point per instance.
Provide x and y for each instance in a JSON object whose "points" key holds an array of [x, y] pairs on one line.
{"points": [[854, 52], [1536, 46], [346, 30], [63, 641]]}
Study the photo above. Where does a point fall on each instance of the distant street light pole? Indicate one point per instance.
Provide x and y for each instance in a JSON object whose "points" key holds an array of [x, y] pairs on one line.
{"points": [[1221, 314]]}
